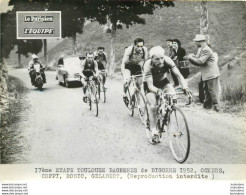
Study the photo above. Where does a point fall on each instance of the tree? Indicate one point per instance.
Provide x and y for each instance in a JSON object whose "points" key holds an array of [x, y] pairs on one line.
{"points": [[8, 34], [27, 46], [73, 18], [124, 12]]}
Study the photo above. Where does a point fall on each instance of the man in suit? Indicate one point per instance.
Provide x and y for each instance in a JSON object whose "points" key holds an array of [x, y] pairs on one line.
{"points": [[208, 62]]}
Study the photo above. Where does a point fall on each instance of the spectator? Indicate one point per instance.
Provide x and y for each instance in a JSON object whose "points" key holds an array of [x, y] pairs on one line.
{"points": [[178, 58], [208, 62], [170, 50]]}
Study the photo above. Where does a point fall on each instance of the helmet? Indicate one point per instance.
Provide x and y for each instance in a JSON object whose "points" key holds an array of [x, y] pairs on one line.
{"points": [[34, 56]]}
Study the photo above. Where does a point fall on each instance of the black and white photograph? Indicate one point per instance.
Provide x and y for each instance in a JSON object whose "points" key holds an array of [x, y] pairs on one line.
{"points": [[101, 82]]}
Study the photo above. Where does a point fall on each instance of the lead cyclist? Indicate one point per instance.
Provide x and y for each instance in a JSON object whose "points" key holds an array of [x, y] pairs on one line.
{"points": [[155, 76]]}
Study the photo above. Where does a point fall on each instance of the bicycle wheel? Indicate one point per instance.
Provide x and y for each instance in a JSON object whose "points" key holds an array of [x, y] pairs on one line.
{"points": [[178, 134], [141, 107], [96, 101], [99, 90], [89, 97], [104, 93], [130, 103]]}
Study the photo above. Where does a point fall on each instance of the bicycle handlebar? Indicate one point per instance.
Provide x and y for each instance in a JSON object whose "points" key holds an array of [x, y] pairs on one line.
{"points": [[135, 76], [189, 95]]}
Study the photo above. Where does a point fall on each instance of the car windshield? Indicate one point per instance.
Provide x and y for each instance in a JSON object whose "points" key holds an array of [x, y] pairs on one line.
{"points": [[71, 63]]}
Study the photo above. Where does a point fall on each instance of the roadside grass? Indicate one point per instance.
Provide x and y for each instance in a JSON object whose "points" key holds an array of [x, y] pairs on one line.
{"points": [[233, 98], [8, 137]]}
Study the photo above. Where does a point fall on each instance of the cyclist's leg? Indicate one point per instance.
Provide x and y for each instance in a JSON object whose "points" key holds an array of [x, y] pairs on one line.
{"points": [[84, 84], [125, 86], [151, 105]]}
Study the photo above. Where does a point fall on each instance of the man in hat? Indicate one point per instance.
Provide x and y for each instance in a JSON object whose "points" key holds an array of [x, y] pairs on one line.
{"points": [[35, 60], [208, 62]]}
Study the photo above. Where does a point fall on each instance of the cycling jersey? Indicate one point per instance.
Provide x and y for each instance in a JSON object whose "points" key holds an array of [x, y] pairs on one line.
{"points": [[132, 59], [89, 69], [158, 73], [101, 59]]}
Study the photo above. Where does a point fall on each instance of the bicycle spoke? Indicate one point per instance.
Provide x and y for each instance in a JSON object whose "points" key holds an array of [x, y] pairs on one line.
{"points": [[179, 135]]}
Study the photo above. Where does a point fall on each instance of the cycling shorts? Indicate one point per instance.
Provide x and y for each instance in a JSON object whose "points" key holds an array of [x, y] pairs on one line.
{"points": [[159, 84], [135, 69], [88, 73]]}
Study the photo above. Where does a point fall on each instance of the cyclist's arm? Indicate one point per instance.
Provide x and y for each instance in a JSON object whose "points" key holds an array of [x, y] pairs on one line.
{"points": [[96, 67], [175, 70], [125, 59], [82, 65]]}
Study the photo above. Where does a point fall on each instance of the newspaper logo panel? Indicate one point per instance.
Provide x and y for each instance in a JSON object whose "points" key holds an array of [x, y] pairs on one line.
{"points": [[38, 24]]}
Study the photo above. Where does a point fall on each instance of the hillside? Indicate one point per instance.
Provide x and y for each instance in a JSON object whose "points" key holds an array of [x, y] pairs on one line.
{"points": [[227, 27], [181, 21]]}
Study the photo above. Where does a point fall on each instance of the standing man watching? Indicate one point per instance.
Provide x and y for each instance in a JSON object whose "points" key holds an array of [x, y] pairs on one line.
{"points": [[208, 62]]}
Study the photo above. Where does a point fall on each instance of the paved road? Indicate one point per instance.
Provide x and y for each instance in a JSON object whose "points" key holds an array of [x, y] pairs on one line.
{"points": [[57, 127]]}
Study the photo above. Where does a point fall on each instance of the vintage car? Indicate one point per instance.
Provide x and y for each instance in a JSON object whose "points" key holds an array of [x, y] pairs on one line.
{"points": [[68, 70]]}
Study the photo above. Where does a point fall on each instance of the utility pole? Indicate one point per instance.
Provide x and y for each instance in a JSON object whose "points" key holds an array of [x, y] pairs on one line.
{"points": [[204, 20], [45, 51]]}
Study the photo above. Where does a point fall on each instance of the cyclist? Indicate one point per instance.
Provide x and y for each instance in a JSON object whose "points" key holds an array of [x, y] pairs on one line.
{"points": [[132, 63], [89, 68], [101, 58], [155, 70]]}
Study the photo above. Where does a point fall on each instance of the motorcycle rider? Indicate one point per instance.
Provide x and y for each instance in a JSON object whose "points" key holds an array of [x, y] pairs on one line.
{"points": [[32, 73]]}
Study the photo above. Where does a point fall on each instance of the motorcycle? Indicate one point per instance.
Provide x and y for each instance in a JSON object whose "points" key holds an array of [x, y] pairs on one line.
{"points": [[37, 70]]}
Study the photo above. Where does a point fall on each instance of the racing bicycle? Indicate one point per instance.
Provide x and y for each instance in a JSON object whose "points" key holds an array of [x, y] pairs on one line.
{"points": [[172, 120], [92, 93], [135, 99], [101, 87]]}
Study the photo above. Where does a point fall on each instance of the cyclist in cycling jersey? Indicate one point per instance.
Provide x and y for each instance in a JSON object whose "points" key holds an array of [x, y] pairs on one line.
{"points": [[101, 58], [132, 63], [155, 70], [89, 68]]}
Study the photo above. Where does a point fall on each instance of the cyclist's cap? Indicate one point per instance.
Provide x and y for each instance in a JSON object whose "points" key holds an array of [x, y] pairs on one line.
{"points": [[90, 54], [137, 40], [100, 47], [157, 50]]}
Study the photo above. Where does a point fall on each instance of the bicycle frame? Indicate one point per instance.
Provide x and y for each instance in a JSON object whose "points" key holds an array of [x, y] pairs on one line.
{"points": [[170, 115]]}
